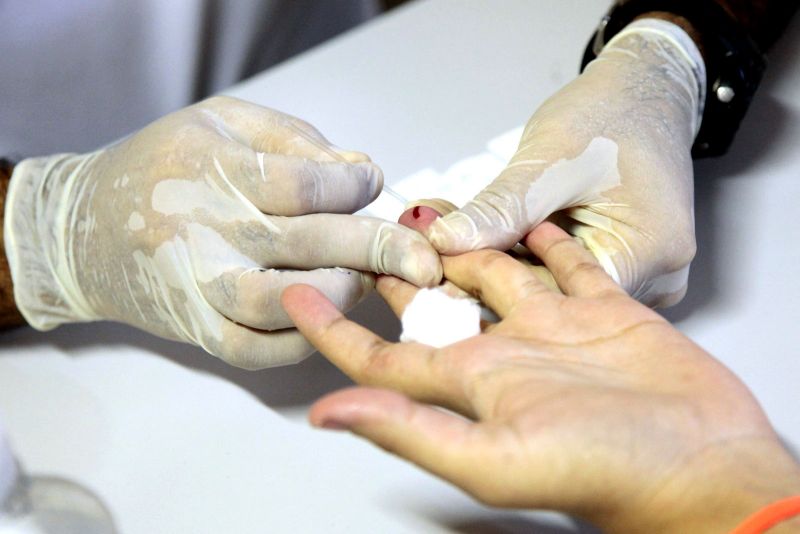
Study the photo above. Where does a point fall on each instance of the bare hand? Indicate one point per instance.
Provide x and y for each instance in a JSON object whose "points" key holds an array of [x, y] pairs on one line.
{"points": [[588, 403]]}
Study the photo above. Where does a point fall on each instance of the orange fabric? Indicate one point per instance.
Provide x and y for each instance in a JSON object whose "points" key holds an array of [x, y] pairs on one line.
{"points": [[769, 516]]}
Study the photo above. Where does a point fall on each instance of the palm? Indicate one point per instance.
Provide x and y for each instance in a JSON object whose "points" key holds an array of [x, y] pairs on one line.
{"points": [[576, 371], [586, 402]]}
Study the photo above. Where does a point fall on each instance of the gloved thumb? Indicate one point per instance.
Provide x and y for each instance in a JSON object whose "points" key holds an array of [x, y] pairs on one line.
{"points": [[493, 219], [525, 194]]}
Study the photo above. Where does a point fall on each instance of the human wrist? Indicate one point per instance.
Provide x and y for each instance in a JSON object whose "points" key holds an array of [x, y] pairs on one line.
{"points": [[679, 63], [37, 206], [719, 488]]}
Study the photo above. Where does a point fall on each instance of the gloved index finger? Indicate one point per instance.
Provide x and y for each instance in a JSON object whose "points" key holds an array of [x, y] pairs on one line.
{"points": [[272, 132], [362, 243], [291, 185], [324, 146]]}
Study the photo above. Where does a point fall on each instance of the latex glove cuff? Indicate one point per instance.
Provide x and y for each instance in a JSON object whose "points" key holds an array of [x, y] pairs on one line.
{"points": [[676, 36], [35, 210]]}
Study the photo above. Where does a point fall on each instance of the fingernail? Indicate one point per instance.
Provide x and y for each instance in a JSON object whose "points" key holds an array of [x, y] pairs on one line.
{"points": [[353, 156], [332, 424]]}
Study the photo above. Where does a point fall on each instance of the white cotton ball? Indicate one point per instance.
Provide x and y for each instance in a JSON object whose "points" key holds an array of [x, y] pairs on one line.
{"points": [[435, 318]]}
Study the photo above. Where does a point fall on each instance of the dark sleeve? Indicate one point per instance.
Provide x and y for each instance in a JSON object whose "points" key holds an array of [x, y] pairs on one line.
{"points": [[9, 315], [764, 20]]}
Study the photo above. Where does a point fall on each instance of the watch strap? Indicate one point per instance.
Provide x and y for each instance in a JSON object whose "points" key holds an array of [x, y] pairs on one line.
{"points": [[734, 63]]}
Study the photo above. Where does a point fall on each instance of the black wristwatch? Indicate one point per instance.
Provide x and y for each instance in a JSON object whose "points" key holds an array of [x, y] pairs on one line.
{"points": [[734, 63], [6, 166]]}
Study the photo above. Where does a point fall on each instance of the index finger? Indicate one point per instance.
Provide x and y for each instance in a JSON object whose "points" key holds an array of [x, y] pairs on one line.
{"points": [[367, 358], [496, 278], [362, 243], [271, 131], [574, 268]]}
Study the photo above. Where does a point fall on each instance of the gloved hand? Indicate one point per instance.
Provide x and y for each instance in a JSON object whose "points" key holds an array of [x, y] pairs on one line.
{"points": [[611, 153], [191, 228]]}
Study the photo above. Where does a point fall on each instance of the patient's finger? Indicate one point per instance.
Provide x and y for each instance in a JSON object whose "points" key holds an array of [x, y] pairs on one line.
{"points": [[440, 205], [442, 443], [496, 278], [574, 268], [412, 368], [396, 292], [418, 218], [419, 214], [543, 274], [399, 293]]}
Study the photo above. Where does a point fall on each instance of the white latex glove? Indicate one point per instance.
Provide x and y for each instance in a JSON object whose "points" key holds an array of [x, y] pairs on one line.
{"points": [[611, 151], [191, 229]]}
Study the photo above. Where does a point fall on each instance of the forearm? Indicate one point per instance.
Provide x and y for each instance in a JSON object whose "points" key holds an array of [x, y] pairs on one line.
{"points": [[9, 314]]}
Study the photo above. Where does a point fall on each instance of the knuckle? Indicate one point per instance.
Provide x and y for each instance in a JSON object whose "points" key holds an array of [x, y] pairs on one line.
{"points": [[488, 260], [582, 268], [378, 365], [680, 252], [676, 242], [221, 292], [255, 301], [533, 288], [306, 188], [389, 288], [247, 297], [291, 188], [552, 248], [687, 251]]}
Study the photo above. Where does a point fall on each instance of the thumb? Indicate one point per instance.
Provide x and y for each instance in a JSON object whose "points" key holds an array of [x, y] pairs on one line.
{"points": [[525, 194], [496, 218]]}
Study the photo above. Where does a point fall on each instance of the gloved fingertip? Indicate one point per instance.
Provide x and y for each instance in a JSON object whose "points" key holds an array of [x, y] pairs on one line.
{"points": [[376, 179], [421, 266], [369, 179]]}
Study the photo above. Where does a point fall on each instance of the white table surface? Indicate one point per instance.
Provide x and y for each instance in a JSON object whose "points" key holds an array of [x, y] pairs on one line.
{"points": [[177, 442]]}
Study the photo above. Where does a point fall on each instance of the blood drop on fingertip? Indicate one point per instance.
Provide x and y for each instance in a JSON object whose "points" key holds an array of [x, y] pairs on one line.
{"points": [[419, 217]]}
